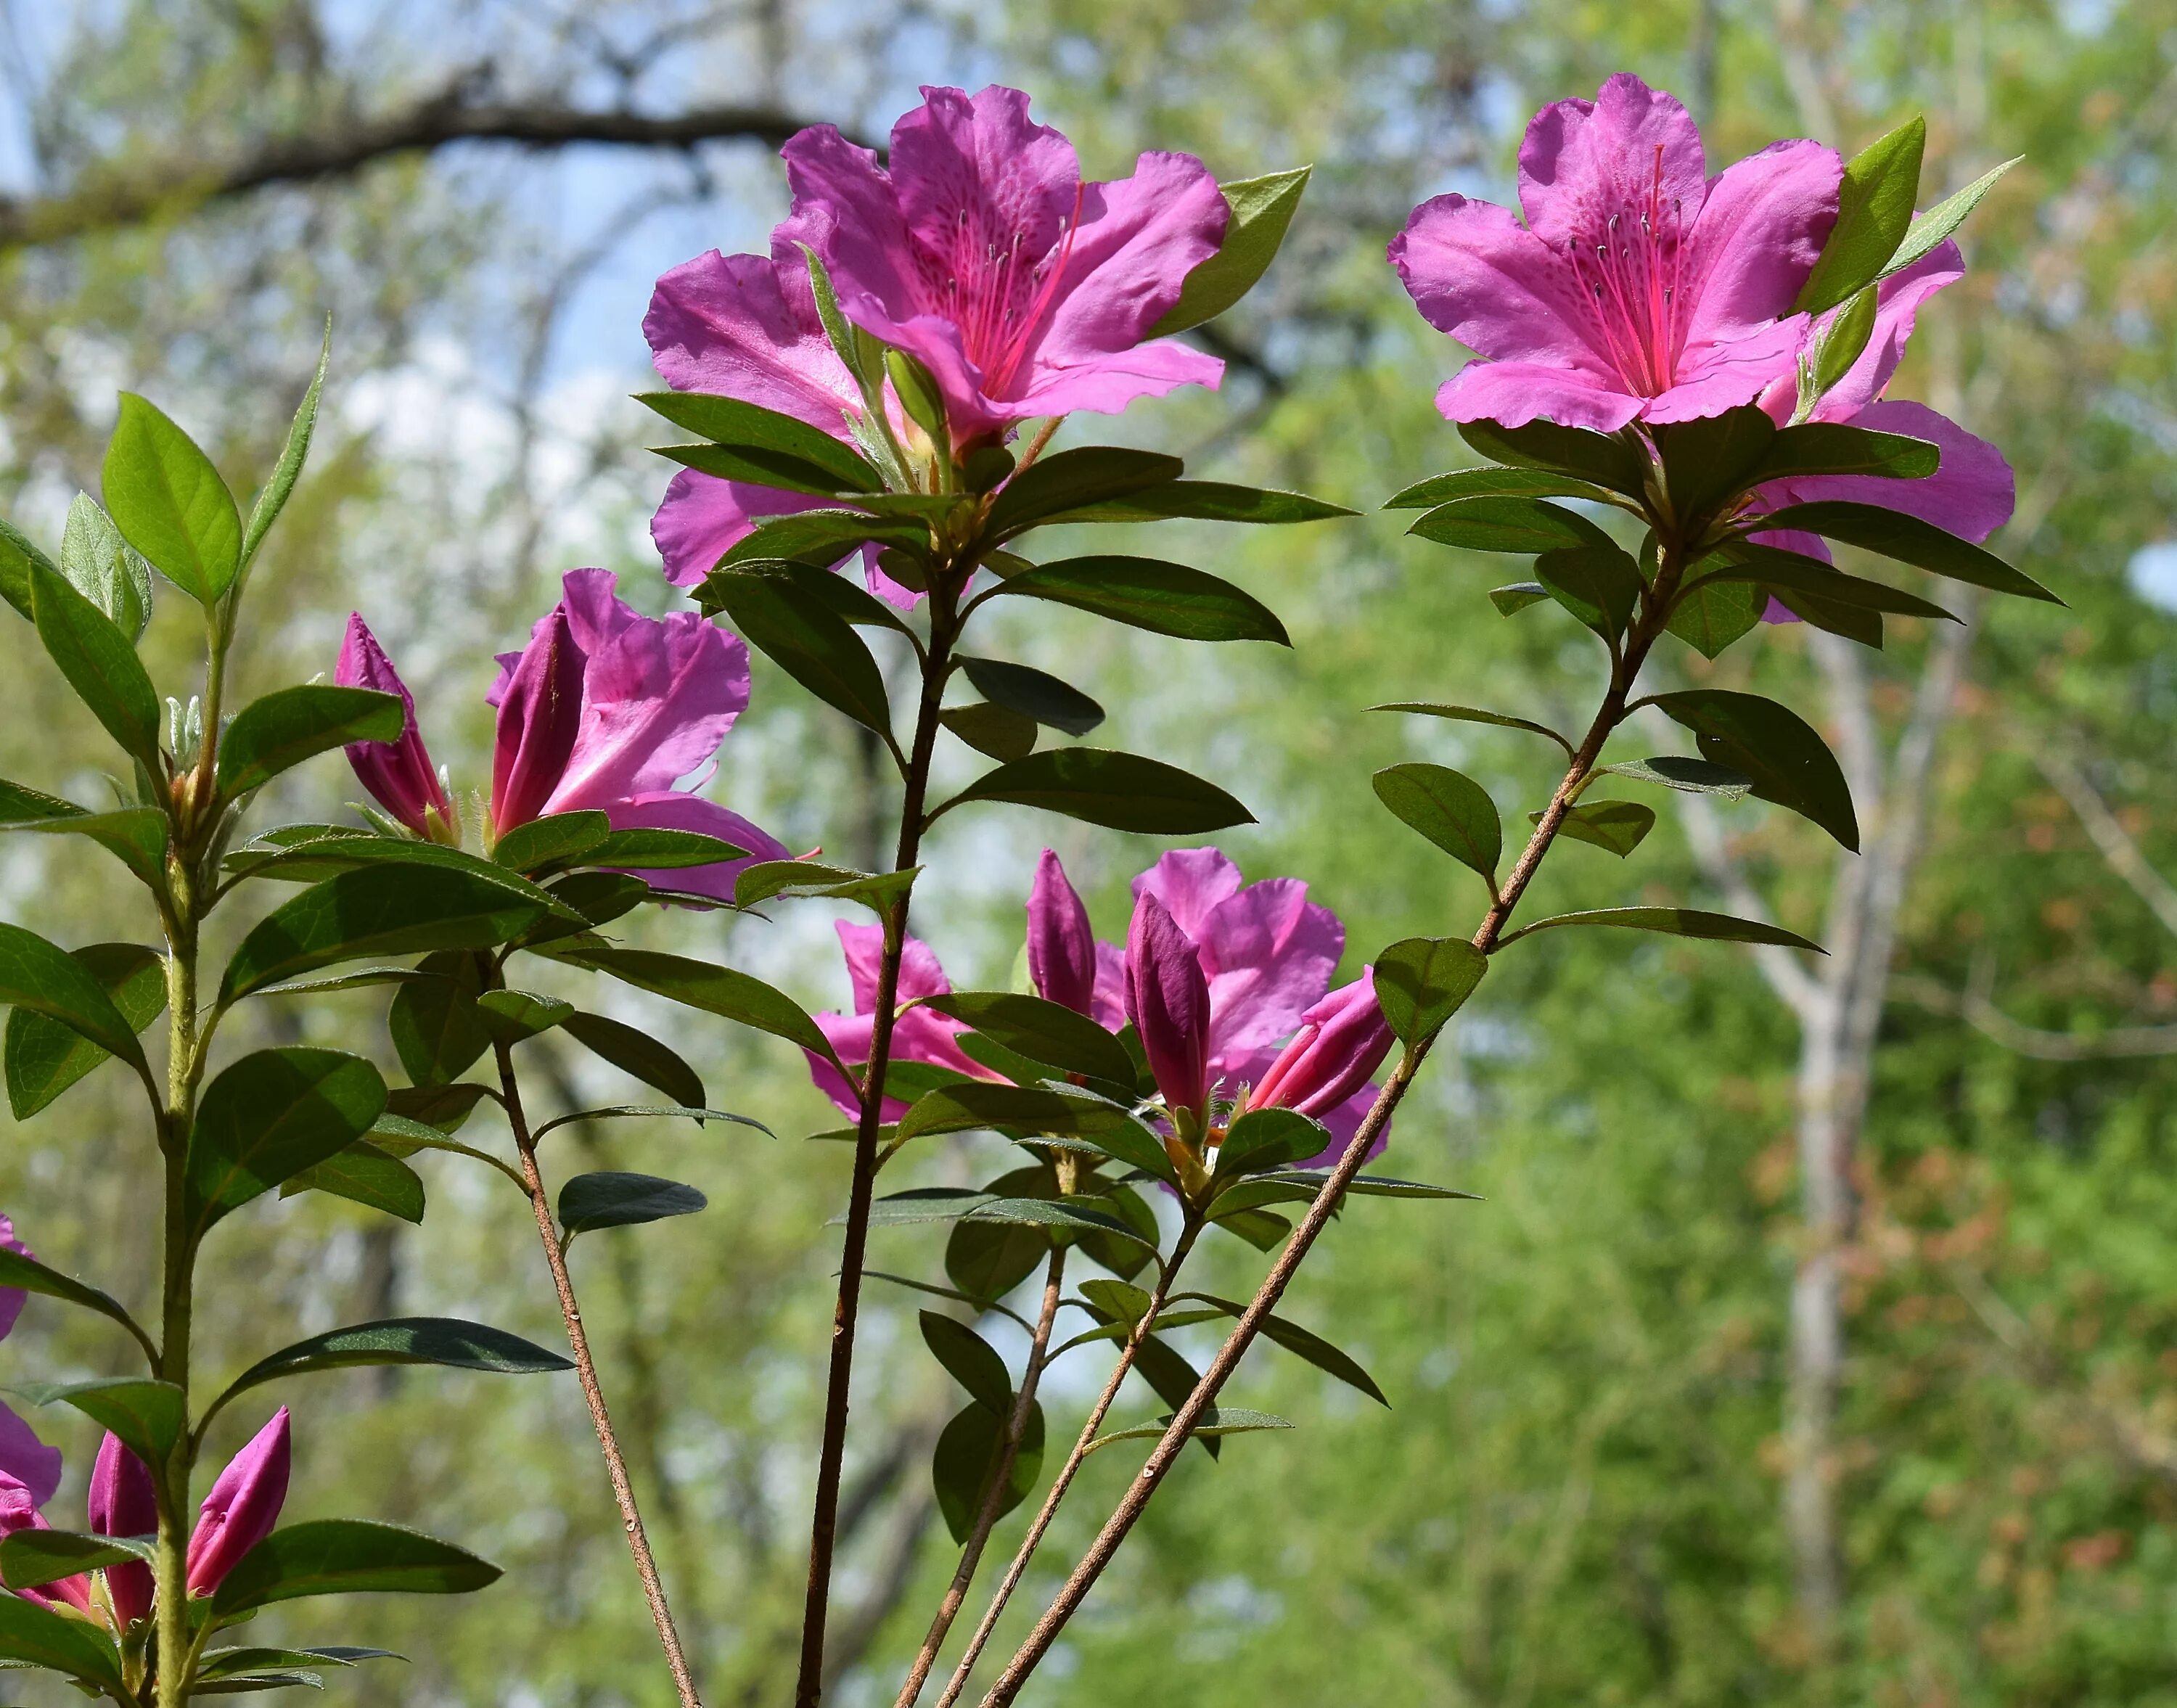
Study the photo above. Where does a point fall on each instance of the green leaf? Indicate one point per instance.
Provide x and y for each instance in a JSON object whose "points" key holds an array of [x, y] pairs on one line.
{"points": [[1514, 598], [1421, 982], [609, 1199], [1208, 501], [105, 568], [1119, 791], [1374, 1186], [1600, 457], [1073, 1215], [445, 1107], [1216, 1421], [1599, 585], [228, 1663], [1493, 482], [1677, 922], [30, 1558], [1472, 714], [250, 1682], [556, 839], [1928, 230], [807, 640], [1088, 475], [1302, 1343], [280, 484], [1834, 447], [1712, 614], [512, 1016], [1789, 763], [101, 665], [657, 849], [966, 1459], [934, 1203], [880, 892], [44, 1057], [851, 604], [819, 538], [331, 1557], [1909, 540], [1448, 808], [25, 1273], [970, 1361], [150, 1417], [285, 727], [1523, 525], [392, 910], [1874, 209], [918, 393], [1713, 459], [444, 1341], [1049, 1033], [46, 980], [170, 503], [19, 552], [987, 1260], [1147, 593], [1269, 1138], [662, 1111], [1837, 343], [433, 1021], [136, 836], [363, 1174], [1618, 826], [722, 991], [995, 732], [973, 1104], [774, 449], [35, 1636], [1688, 776], [1260, 210], [309, 858], [271, 1115], [1045, 698], [1791, 572], [640, 1054], [1848, 618]]}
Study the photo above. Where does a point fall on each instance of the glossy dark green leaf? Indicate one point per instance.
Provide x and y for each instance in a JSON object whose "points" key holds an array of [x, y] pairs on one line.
{"points": [[1618, 826], [1928, 229], [27, 1273], [721, 990], [1045, 1032], [657, 849], [1216, 1421], [610, 1199], [1450, 809], [995, 732], [767, 442], [150, 1417], [1302, 1343], [436, 1027], [444, 1341], [1493, 482], [1070, 1216], [331, 1556], [822, 537], [556, 839], [228, 1663], [966, 1460], [1785, 572], [1208, 501], [1601, 457], [105, 568], [1515, 598], [1854, 621], [363, 1174], [445, 1107], [268, 1116], [987, 1260], [1835, 447], [841, 594], [136, 836], [1522, 525], [511, 1016], [806, 638], [45, 978], [292, 724], [1709, 617], [1375, 1186], [1034, 694], [658, 1111], [294, 452], [1421, 982], [101, 665], [1874, 209], [1677, 922], [35, 1636], [877, 890], [1789, 763], [30, 1558], [970, 1361], [638, 1053], [390, 909], [971, 1105], [1713, 458], [308, 859], [1598, 585], [1269, 1138], [1147, 593], [1909, 540], [169, 502], [1688, 776], [44, 1057], [1119, 791], [1260, 210], [1089, 474], [1472, 714]]}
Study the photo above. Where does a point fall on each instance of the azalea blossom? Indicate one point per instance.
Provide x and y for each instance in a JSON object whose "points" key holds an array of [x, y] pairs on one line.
{"points": [[605, 710], [26, 1463], [978, 247], [239, 1513], [1972, 492], [1640, 288], [919, 1035]]}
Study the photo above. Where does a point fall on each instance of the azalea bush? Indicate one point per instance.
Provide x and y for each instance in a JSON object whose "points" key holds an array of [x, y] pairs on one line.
{"points": [[1678, 400]]}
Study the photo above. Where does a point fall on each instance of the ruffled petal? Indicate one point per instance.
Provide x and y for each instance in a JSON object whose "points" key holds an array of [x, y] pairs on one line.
{"points": [[28, 1459], [1726, 375], [1760, 231], [1583, 161], [1269, 953], [667, 810], [1108, 383], [1972, 494], [1480, 277], [1897, 301], [1190, 882], [728, 325], [1514, 393]]}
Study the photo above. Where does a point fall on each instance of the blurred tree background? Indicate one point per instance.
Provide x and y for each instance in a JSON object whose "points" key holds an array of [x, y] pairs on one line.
{"points": [[1817, 1341]]}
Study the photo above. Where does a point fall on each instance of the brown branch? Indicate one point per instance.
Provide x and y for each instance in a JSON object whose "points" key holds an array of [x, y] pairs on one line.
{"points": [[112, 197]]}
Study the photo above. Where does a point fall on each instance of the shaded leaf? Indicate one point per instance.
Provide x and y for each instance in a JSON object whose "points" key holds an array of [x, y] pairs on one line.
{"points": [[1788, 762], [1689, 776], [45, 978], [1208, 501], [1710, 616], [1496, 482], [1618, 826], [966, 1459], [1269, 1138], [284, 728], [1599, 585], [1472, 714], [637, 1052], [1163, 597], [1709, 460], [44, 1057], [436, 1029], [761, 445], [1034, 694], [35, 1636], [444, 1341], [808, 641], [555, 839], [1835, 447], [1678, 922], [150, 1417], [1601, 457], [1119, 791], [611, 1199], [363, 1174], [1521, 525], [329, 1557], [1088, 474], [1512, 599], [268, 1116], [714, 990], [19, 1271], [970, 1361], [1909, 540], [1216, 1421], [997, 732], [1049, 1033], [1421, 982], [1448, 808]]}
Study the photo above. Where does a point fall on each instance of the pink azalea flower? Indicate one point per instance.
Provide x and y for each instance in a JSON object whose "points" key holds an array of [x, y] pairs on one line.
{"points": [[1640, 288], [1972, 492], [124, 1503], [979, 249], [918, 1035], [242, 1507], [1324, 1072], [606, 710], [26, 1461], [398, 774]]}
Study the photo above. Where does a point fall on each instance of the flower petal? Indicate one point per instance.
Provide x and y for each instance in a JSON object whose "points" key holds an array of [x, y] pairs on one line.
{"points": [[1582, 161], [1723, 376], [670, 809], [1897, 301], [540, 714], [1190, 882], [745, 327], [27, 1460], [1971, 494], [1480, 277], [1269, 953], [1514, 393], [1760, 231]]}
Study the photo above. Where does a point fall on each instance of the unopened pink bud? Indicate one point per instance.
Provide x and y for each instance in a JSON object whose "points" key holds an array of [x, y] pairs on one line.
{"points": [[124, 1503], [244, 1505], [1342, 1040], [1062, 947], [1168, 1000], [539, 716], [397, 774]]}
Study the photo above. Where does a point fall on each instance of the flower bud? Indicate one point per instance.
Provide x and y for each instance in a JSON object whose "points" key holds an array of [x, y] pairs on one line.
{"points": [[397, 774], [1342, 1040], [1062, 947], [1168, 1000], [124, 1503], [540, 717], [242, 1507]]}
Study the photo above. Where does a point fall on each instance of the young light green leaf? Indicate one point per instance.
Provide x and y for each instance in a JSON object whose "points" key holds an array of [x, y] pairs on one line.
{"points": [[169, 502], [269, 735], [1837, 345], [105, 568], [1874, 209], [1928, 230], [1260, 211], [280, 484], [100, 664]]}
